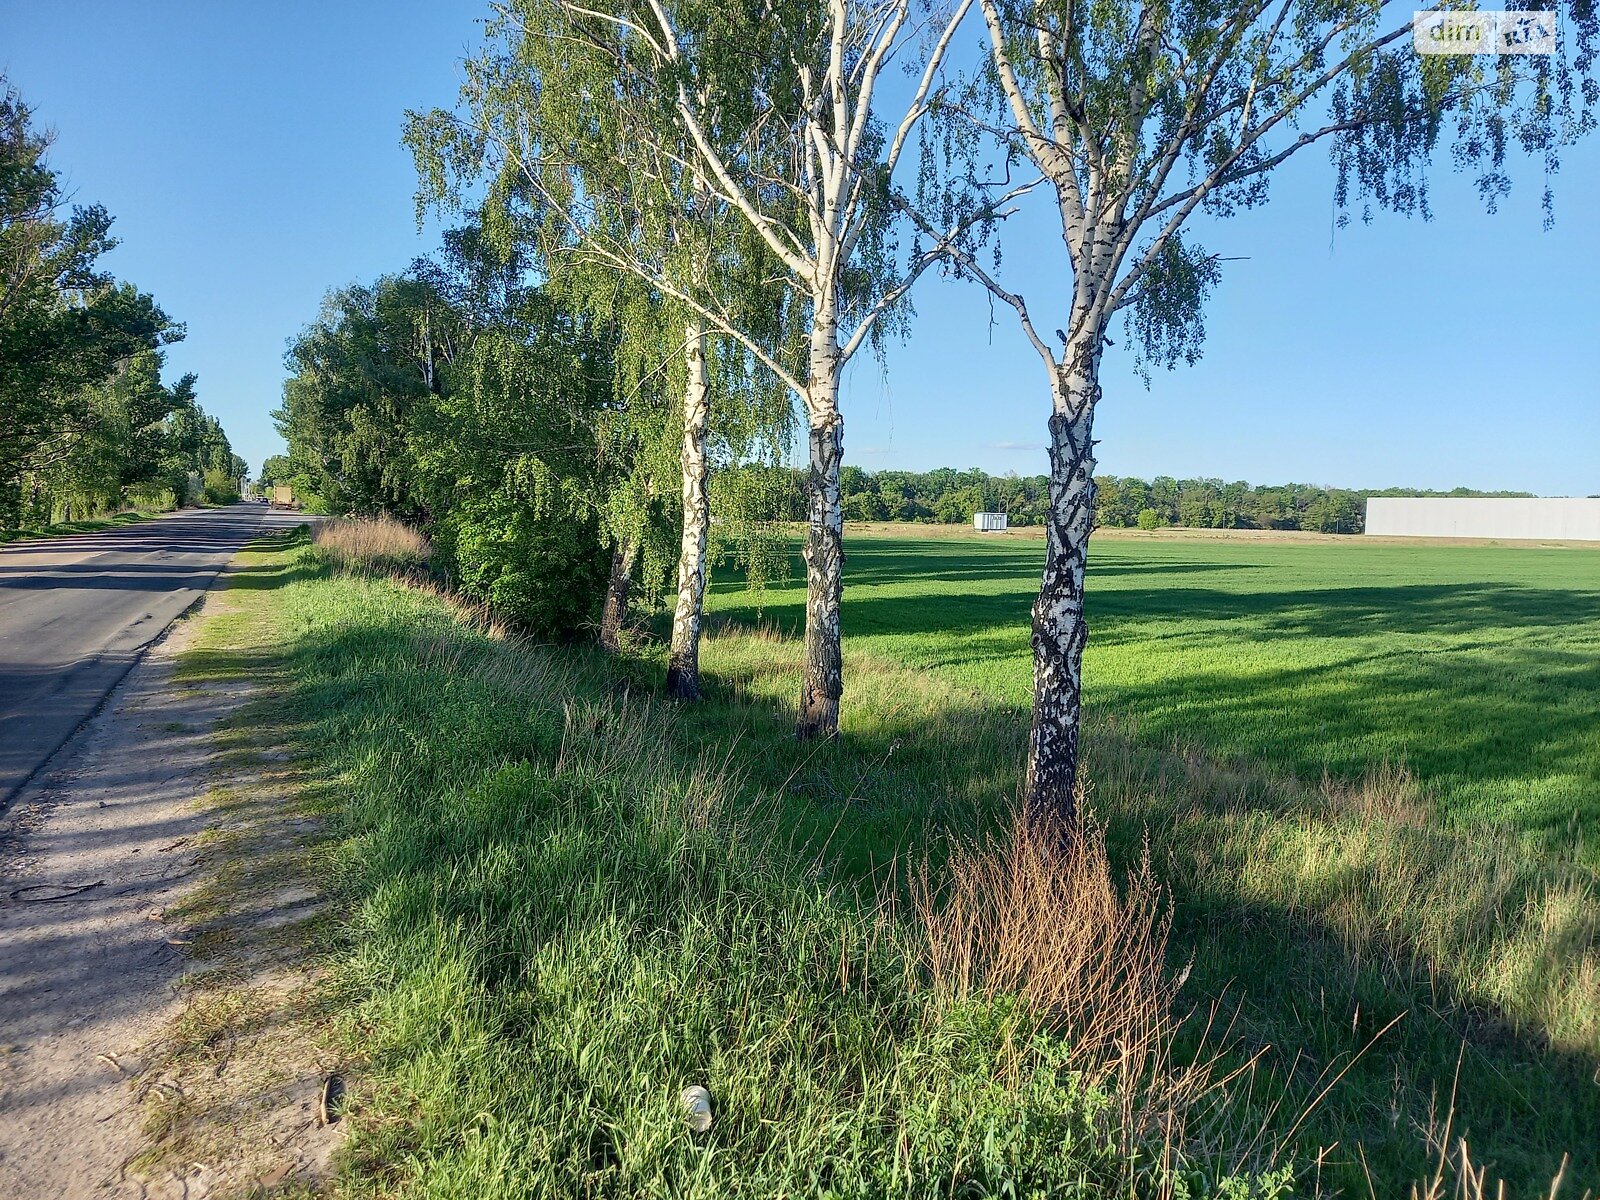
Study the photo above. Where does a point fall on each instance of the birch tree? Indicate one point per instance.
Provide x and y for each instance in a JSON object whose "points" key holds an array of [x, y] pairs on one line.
{"points": [[1140, 115], [551, 121], [768, 114]]}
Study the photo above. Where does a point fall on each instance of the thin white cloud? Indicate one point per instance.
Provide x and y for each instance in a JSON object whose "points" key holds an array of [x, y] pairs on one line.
{"points": [[1015, 446]]}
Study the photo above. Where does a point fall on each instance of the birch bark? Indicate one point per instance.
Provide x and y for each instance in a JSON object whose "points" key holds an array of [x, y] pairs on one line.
{"points": [[823, 682], [1060, 629], [615, 613], [683, 669]]}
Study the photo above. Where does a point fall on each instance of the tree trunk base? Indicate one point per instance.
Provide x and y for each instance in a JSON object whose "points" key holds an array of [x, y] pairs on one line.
{"points": [[615, 614], [683, 683], [1051, 793], [819, 718]]}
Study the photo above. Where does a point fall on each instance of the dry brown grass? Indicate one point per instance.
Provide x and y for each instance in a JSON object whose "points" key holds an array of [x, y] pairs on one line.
{"points": [[1037, 918], [1032, 916], [372, 543]]}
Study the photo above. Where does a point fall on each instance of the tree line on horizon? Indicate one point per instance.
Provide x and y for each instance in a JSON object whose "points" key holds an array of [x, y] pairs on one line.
{"points": [[681, 222], [87, 426], [950, 497]]}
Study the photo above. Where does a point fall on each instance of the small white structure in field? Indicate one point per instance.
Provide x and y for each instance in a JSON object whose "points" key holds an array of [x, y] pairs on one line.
{"points": [[989, 522], [1519, 518]]}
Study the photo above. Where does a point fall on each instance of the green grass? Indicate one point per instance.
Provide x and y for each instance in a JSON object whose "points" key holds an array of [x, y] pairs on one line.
{"points": [[1477, 667], [67, 528], [568, 899], [1321, 890], [565, 905]]}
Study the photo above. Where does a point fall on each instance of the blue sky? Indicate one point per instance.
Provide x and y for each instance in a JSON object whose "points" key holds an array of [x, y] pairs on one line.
{"points": [[251, 155]]}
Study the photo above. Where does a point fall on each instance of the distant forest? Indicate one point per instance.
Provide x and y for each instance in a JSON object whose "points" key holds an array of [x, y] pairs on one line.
{"points": [[87, 426], [948, 496]]}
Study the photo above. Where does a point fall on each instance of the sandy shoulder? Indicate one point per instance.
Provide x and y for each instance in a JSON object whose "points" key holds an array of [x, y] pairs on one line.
{"points": [[87, 979]]}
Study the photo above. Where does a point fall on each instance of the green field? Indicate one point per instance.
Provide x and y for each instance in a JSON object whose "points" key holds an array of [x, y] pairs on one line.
{"points": [[1477, 667], [561, 898], [1369, 774]]}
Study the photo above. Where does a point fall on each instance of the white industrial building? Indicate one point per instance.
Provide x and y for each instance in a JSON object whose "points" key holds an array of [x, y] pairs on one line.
{"points": [[1512, 518]]}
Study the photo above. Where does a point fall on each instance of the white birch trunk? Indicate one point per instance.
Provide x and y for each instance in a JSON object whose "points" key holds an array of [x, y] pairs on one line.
{"points": [[683, 670], [823, 682], [1059, 627]]}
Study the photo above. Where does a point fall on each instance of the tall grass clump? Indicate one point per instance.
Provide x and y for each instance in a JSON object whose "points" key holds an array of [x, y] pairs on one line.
{"points": [[1028, 917], [372, 544], [563, 913], [1497, 921]]}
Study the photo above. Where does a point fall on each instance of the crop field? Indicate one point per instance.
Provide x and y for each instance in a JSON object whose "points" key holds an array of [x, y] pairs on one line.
{"points": [[1476, 667]]}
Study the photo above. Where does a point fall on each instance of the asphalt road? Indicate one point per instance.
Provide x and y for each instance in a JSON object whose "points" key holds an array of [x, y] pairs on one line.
{"points": [[76, 612]]}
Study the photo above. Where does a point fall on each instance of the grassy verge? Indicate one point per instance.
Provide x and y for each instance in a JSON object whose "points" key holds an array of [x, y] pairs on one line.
{"points": [[67, 528], [564, 906], [564, 901]]}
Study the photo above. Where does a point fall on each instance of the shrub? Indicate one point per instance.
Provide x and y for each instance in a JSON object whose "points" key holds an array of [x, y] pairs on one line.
{"points": [[1149, 518], [220, 488], [544, 571], [150, 497]]}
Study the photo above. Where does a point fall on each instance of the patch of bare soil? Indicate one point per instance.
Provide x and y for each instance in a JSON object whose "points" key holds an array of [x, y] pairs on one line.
{"points": [[158, 1033]]}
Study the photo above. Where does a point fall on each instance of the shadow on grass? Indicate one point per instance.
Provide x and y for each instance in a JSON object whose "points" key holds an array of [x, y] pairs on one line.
{"points": [[903, 777], [1128, 613], [67, 528], [269, 577], [1488, 690]]}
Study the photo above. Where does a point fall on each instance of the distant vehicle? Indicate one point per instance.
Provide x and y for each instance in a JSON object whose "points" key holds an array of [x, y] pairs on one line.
{"points": [[282, 497]]}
